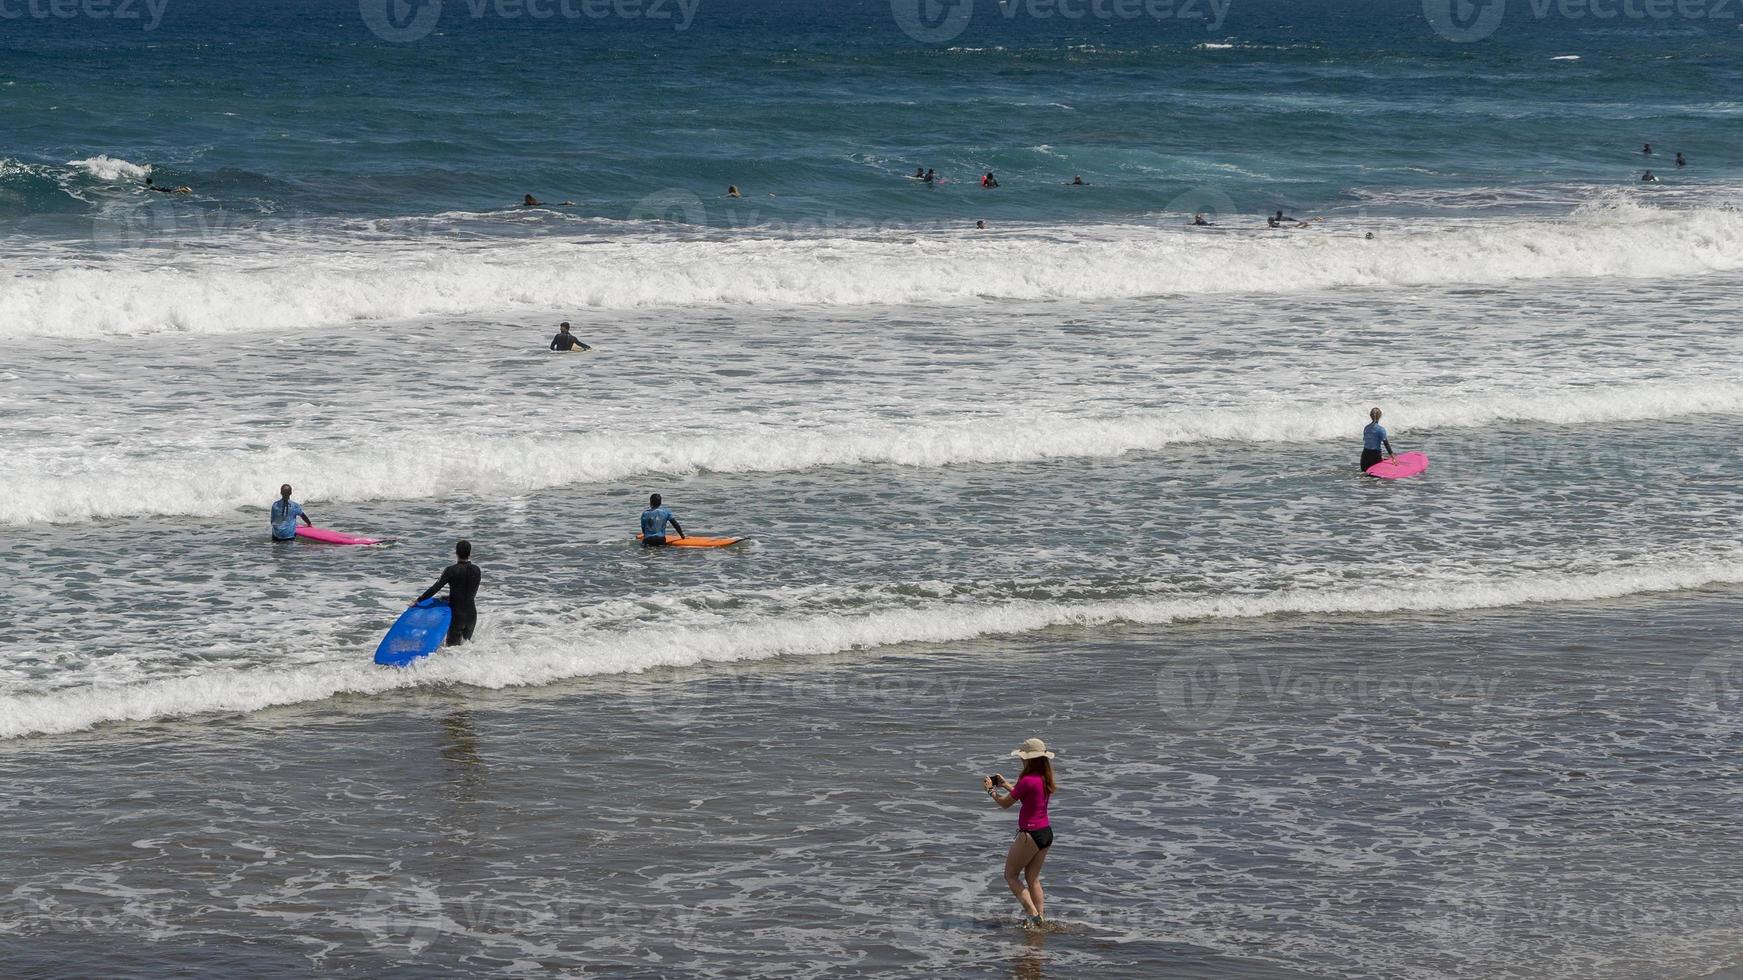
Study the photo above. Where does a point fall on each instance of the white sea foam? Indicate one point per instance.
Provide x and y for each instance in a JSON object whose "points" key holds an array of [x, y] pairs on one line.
{"points": [[256, 284], [542, 655], [409, 466], [105, 167]]}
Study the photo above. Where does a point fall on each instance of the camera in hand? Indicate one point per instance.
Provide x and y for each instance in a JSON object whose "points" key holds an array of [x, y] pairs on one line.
{"points": [[997, 779]]}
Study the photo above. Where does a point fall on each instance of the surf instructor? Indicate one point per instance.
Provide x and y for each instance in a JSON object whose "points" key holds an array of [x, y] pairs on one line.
{"points": [[1373, 438], [654, 521], [462, 580], [285, 512]]}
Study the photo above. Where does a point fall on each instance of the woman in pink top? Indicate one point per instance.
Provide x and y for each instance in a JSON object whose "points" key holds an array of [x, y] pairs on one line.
{"points": [[1034, 834]]}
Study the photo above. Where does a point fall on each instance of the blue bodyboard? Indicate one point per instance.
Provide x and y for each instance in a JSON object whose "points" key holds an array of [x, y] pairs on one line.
{"points": [[419, 632]]}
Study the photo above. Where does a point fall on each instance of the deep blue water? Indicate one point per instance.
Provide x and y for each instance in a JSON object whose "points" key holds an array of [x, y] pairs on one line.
{"points": [[303, 110]]}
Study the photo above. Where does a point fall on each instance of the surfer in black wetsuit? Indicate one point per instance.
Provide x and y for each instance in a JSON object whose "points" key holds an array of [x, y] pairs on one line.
{"points": [[564, 340], [462, 580]]}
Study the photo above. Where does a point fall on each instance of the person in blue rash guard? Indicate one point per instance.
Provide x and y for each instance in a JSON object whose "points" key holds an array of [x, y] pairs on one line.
{"points": [[654, 521], [1373, 438], [285, 512]]}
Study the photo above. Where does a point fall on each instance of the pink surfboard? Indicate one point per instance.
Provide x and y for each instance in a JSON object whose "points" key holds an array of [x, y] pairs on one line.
{"points": [[1406, 464], [325, 536]]}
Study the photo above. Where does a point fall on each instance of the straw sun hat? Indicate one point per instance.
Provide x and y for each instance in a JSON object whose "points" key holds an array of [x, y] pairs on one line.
{"points": [[1032, 749]]}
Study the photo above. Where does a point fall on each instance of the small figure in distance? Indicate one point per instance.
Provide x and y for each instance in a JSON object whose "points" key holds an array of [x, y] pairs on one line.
{"points": [[1199, 222], [931, 176], [530, 201], [989, 181], [564, 340], [182, 189], [1077, 182], [1646, 150], [980, 225], [1649, 178], [732, 191], [1680, 161]]}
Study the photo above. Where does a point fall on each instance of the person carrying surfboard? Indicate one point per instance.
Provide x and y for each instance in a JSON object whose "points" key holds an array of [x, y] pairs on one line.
{"points": [[285, 512], [564, 340], [654, 521], [1374, 437], [462, 580]]}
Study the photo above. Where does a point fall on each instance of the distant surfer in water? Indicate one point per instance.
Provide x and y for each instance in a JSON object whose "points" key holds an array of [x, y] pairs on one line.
{"points": [[1077, 182], [931, 177], [1649, 178], [654, 521], [1034, 832], [462, 580], [1680, 161], [732, 191], [1199, 222], [919, 173], [980, 225], [1278, 220], [564, 340], [183, 189], [989, 181], [285, 512], [532, 202], [1373, 439], [1646, 150]]}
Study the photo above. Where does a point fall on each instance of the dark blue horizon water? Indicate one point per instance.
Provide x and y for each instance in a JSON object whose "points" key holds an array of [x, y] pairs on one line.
{"points": [[277, 111]]}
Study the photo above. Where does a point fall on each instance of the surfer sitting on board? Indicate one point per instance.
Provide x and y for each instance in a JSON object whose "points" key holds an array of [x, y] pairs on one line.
{"points": [[654, 523], [285, 512], [462, 580], [1374, 437], [564, 340]]}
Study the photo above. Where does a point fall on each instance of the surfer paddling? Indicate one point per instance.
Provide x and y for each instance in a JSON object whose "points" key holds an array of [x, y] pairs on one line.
{"points": [[462, 580], [1034, 833], [654, 521], [1373, 438], [285, 512]]}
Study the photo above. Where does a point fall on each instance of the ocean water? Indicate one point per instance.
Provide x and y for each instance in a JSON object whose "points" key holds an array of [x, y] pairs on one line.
{"points": [[1088, 473]]}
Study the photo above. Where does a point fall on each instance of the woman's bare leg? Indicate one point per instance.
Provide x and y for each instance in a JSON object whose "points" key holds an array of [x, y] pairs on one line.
{"points": [[1022, 852], [1032, 871]]}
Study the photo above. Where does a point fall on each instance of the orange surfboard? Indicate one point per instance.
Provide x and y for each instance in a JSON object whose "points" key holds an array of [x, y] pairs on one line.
{"points": [[697, 541]]}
